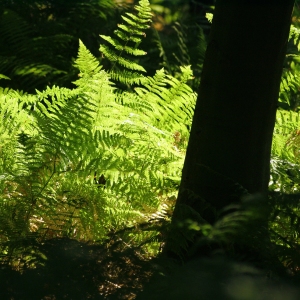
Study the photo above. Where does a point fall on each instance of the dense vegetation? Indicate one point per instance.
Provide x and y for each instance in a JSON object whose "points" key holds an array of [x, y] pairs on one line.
{"points": [[92, 148]]}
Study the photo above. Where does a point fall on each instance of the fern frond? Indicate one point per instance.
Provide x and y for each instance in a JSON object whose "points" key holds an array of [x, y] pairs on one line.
{"points": [[4, 77], [176, 102], [127, 77], [59, 140], [294, 35], [86, 62], [114, 57], [127, 42], [290, 82], [118, 46]]}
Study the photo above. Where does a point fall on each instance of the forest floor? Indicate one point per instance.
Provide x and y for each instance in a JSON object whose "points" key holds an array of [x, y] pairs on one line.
{"points": [[69, 269], [74, 270]]}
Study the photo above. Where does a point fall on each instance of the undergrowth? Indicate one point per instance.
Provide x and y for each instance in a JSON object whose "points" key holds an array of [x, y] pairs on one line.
{"points": [[86, 162], [102, 161]]}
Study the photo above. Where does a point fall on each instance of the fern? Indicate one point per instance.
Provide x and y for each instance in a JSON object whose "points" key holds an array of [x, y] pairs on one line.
{"points": [[121, 49], [284, 188], [59, 141], [290, 77], [289, 85], [41, 39], [294, 36], [178, 48]]}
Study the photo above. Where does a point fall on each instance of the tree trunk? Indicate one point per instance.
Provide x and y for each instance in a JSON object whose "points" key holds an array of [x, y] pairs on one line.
{"points": [[233, 123]]}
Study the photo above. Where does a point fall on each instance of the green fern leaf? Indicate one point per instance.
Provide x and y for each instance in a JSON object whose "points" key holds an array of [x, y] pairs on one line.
{"points": [[127, 42]]}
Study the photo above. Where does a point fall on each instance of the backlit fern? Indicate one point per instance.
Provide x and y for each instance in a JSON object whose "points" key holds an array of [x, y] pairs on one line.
{"points": [[290, 80], [122, 49], [56, 144]]}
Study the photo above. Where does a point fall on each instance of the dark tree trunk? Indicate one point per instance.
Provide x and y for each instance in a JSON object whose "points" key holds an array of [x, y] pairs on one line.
{"points": [[232, 128]]}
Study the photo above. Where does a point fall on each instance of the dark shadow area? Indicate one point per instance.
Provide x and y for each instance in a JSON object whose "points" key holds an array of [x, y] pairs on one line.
{"points": [[75, 270]]}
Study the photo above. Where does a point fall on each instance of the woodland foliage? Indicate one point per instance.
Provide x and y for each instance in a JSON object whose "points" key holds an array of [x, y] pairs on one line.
{"points": [[88, 161]]}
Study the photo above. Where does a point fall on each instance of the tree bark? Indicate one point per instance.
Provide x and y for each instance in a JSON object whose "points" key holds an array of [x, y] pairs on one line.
{"points": [[231, 134]]}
